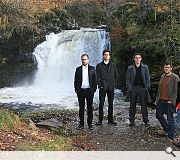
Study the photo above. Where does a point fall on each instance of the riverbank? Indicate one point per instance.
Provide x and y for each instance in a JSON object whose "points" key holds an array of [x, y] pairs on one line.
{"points": [[56, 130]]}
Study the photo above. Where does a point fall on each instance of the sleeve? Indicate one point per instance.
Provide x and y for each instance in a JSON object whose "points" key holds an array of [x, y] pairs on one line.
{"points": [[98, 76], [158, 94], [115, 75], [95, 79], [174, 96], [75, 81], [148, 77], [128, 83]]}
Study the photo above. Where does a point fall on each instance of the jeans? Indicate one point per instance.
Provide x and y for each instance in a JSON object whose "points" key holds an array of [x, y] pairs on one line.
{"points": [[178, 112], [168, 125]]}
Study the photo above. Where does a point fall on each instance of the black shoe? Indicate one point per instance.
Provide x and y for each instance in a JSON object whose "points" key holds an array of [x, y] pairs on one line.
{"points": [[80, 127], [131, 124], [147, 124], [112, 122], [99, 123], [90, 126]]}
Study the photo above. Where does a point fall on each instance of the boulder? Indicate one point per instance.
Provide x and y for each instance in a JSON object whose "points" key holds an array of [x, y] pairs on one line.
{"points": [[53, 122]]}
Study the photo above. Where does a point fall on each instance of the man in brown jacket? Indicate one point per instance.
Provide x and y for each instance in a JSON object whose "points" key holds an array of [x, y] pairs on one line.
{"points": [[166, 101]]}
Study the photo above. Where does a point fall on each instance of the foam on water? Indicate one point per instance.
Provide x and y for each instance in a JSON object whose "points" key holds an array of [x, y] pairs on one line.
{"points": [[57, 59]]}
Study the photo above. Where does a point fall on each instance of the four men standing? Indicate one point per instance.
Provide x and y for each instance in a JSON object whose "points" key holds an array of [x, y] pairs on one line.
{"points": [[138, 82]]}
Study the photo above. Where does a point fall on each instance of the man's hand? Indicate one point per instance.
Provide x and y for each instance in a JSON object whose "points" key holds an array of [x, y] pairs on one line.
{"points": [[169, 102], [156, 102]]}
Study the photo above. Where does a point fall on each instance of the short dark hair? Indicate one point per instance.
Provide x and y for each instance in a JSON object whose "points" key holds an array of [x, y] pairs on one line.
{"points": [[137, 53], [106, 51], [168, 63], [85, 55]]}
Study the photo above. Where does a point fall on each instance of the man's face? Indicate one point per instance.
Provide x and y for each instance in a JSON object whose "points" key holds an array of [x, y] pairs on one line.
{"points": [[167, 69], [106, 56], [85, 60], [137, 59]]}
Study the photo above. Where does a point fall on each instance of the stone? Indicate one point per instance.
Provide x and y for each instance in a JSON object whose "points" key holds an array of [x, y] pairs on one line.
{"points": [[53, 122]]}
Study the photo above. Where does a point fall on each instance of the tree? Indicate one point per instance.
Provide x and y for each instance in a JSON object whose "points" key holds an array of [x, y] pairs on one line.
{"points": [[19, 33], [17, 17]]}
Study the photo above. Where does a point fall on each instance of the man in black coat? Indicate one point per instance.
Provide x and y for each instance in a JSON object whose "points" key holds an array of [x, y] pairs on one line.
{"points": [[85, 86], [107, 80]]}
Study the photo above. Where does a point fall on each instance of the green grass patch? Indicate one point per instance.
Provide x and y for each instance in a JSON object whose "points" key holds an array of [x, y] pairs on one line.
{"points": [[50, 145], [7, 119], [61, 132]]}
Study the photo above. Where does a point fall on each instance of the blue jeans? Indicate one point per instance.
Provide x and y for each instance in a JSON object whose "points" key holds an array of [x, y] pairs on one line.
{"points": [[178, 112], [168, 125]]}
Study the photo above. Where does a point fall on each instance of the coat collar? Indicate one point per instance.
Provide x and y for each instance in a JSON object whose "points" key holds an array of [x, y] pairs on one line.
{"points": [[164, 76], [133, 65], [104, 63], [82, 66]]}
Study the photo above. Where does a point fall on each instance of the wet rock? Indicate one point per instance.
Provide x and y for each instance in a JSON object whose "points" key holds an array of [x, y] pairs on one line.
{"points": [[95, 108], [96, 114], [118, 93], [50, 123]]}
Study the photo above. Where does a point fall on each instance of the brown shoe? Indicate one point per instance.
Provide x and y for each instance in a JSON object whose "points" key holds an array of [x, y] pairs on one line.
{"points": [[173, 140], [162, 133], [176, 143]]}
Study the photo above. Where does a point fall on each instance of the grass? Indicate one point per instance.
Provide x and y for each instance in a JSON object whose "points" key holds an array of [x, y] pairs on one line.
{"points": [[55, 141], [50, 145], [61, 132], [7, 119]]}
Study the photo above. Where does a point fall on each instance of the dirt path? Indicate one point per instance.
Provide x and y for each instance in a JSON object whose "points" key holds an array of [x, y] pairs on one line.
{"points": [[122, 137]]}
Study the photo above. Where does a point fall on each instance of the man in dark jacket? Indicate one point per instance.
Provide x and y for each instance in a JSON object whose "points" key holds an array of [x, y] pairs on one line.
{"points": [[138, 83], [107, 81], [85, 86]]}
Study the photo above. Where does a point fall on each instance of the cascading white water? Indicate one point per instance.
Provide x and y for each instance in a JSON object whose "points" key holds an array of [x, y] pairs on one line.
{"points": [[57, 58]]}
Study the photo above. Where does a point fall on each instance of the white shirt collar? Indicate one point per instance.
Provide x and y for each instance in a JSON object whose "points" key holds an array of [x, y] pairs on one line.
{"points": [[106, 62], [85, 67]]}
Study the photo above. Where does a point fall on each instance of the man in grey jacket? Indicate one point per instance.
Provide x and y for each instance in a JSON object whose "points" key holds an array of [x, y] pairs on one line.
{"points": [[138, 83], [166, 101]]}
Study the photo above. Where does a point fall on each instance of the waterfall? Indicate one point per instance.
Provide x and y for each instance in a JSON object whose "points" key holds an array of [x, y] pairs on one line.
{"points": [[60, 54], [57, 58]]}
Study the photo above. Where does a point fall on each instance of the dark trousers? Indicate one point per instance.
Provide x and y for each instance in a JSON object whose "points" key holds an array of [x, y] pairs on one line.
{"points": [[110, 96], [168, 125], [142, 93], [88, 96]]}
